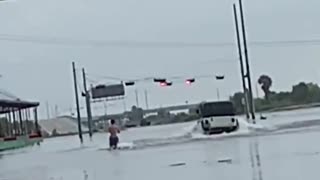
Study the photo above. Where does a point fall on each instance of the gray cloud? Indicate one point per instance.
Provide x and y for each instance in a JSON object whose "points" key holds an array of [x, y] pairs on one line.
{"points": [[43, 71]]}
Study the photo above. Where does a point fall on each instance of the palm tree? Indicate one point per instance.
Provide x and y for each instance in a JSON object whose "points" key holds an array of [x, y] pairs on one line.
{"points": [[266, 82]]}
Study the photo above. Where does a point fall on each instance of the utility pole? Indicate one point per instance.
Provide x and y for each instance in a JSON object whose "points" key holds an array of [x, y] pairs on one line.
{"points": [[241, 62], [77, 101], [146, 98], [247, 63], [88, 105], [48, 110], [56, 110], [137, 98]]}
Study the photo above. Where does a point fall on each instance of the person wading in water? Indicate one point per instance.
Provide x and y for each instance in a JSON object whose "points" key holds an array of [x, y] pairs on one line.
{"points": [[113, 139]]}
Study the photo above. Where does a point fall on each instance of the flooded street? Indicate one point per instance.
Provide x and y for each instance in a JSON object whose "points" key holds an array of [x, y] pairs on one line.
{"points": [[152, 62], [283, 147]]}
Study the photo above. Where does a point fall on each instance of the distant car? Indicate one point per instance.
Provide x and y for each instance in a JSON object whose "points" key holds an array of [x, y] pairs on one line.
{"points": [[218, 117]]}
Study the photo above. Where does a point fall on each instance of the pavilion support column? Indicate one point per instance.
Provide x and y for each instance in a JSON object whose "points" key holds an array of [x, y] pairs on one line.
{"points": [[26, 121], [15, 128], [31, 126], [20, 122], [10, 123], [35, 113], [7, 133]]}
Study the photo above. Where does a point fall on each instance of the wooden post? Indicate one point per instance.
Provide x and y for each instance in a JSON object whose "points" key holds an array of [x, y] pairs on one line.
{"points": [[10, 123], [35, 113], [15, 128], [20, 121]]}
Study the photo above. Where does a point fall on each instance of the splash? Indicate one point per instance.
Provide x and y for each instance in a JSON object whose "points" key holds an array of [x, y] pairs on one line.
{"points": [[245, 128], [121, 146], [191, 132]]}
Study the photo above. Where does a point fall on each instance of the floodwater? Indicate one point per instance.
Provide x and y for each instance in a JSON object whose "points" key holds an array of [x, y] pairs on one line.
{"points": [[285, 146]]}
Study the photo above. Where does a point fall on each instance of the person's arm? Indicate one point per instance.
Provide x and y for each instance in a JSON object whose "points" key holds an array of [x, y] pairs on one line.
{"points": [[118, 129]]}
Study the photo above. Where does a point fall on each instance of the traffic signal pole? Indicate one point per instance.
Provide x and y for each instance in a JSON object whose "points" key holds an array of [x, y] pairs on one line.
{"points": [[88, 104], [241, 62], [77, 101], [248, 76]]}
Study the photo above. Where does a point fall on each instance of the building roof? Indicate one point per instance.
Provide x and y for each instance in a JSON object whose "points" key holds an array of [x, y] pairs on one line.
{"points": [[10, 102]]}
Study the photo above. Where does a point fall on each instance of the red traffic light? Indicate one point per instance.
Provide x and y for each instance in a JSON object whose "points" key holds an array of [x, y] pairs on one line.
{"points": [[163, 84], [190, 81]]}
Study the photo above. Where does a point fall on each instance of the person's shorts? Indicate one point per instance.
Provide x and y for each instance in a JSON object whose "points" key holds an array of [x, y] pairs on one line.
{"points": [[113, 141]]}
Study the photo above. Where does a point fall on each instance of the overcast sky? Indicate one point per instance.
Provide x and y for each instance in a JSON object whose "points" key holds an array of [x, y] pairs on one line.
{"points": [[39, 71]]}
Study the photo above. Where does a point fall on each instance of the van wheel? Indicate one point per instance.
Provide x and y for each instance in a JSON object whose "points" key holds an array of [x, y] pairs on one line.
{"points": [[229, 131]]}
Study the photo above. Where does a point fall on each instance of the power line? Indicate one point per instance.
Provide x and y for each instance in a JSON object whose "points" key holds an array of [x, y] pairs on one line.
{"points": [[104, 43], [147, 44], [104, 77], [286, 42]]}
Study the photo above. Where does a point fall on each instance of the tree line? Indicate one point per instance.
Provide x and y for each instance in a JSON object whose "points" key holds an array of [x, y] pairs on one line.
{"points": [[300, 94]]}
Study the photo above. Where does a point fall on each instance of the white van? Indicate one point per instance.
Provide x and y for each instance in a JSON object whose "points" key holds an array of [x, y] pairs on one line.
{"points": [[218, 117]]}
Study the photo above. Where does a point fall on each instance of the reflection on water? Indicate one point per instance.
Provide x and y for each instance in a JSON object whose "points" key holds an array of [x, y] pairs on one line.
{"points": [[255, 159]]}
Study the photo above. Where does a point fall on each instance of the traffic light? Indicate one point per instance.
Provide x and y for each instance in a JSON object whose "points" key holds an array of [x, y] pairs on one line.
{"points": [[163, 84], [160, 80], [219, 77], [190, 81], [129, 83]]}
